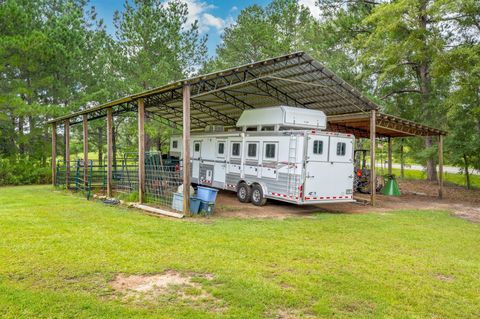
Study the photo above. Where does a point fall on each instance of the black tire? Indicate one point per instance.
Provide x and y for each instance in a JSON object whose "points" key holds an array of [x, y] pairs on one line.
{"points": [[244, 193], [257, 196]]}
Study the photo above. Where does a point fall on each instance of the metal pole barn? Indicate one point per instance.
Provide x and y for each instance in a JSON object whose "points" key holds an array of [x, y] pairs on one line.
{"points": [[186, 149], [373, 175], [54, 153]]}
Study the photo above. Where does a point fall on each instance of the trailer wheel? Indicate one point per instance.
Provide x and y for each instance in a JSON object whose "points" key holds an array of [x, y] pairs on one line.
{"points": [[257, 196], [244, 193]]}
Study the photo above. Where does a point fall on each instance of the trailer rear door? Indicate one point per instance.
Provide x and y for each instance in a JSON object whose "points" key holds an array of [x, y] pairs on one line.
{"points": [[328, 176]]}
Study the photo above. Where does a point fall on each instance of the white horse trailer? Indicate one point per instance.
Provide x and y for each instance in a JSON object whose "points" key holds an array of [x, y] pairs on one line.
{"points": [[280, 153]]}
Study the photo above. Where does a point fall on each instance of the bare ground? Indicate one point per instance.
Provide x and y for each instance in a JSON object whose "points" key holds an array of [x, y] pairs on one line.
{"points": [[416, 195], [145, 289]]}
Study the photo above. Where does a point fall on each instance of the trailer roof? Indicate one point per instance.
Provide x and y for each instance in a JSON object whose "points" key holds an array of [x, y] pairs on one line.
{"points": [[219, 98]]}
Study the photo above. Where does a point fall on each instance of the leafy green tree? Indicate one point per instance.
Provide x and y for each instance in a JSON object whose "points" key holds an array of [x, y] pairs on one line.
{"points": [[259, 33]]}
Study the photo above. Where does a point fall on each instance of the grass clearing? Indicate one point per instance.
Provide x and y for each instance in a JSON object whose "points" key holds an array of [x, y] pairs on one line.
{"points": [[457, 179], [59, 254]]}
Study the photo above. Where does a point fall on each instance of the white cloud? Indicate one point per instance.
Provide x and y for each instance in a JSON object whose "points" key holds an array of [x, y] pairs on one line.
{"points": [[210, 20], [310, 4], [200, 11]]}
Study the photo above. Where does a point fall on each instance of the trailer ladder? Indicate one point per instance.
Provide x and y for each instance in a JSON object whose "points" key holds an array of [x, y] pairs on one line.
{"points": [[292, 189]]}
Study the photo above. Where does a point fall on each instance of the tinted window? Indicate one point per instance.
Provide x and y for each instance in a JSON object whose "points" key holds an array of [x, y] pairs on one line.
{"points": [[174, 144], [235, 149], [317, 147], [252, 150], [341, 149], [197, 147], [221, 148], [269, 150]]}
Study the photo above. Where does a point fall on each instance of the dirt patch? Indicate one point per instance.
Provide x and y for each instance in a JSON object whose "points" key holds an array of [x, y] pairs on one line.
{"points": [[290, 314], [445, 278], [416, 195], [166, 287]]}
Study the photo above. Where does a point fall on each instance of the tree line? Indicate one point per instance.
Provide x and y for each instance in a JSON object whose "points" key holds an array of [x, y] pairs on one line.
{"points": [[418, 59]]}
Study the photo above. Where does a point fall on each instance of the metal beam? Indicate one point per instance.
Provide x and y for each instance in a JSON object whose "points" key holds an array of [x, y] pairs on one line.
{"points": [[440, 166], [186, 149], [67, 153], [85, 149], [54, 153], [141, 150], [373, 175], [109, 151]]}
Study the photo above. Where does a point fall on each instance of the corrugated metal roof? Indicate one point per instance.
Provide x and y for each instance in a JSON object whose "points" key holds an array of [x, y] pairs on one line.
{"points": [[219, 98]]}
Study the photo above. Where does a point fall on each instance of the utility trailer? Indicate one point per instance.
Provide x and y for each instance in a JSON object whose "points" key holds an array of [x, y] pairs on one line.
{"points": [[279, 153]]}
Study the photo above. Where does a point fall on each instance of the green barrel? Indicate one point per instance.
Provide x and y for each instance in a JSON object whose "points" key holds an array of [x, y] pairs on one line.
{"points": [[391, 186]]}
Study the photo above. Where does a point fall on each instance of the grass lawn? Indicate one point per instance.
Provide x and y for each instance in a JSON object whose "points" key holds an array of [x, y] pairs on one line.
{"points": [[457, 179], [59, 252]]}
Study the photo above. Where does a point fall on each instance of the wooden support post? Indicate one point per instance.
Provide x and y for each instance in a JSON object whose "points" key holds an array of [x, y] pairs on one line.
{"points": [[85, 149], [389, 156], [54, 153], [109, 151], [373, 175], [67, 153], [186, 149], [440, 166], [141, 150]]}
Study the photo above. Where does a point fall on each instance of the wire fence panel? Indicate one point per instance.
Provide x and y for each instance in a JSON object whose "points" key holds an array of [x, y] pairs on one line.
{"points": [[161, 181], [162, 177]]}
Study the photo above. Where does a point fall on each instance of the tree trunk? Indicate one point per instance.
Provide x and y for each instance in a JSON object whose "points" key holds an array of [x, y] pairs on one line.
{"points": [[159, 144], [21, 145], [467, 173]]}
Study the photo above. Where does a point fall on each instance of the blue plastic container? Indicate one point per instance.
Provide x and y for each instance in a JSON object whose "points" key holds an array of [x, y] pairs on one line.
{"points": [[207, 208], [195, 205], [207, 194], [177, 201]]}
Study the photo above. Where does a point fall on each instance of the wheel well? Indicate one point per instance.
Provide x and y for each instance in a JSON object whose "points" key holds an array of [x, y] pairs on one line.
{"points": [[262, 186]]}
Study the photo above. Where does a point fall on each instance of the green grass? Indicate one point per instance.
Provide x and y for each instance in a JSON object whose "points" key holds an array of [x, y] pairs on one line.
{"points": [[58, 253], [457, 179]]}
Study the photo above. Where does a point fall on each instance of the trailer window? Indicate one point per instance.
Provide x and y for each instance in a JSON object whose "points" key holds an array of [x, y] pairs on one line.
{"points": [[270, 151], [341, 149], [197, 147], [252, 150], [174, 144], [317, 147], [221, 148], [235, 149]]}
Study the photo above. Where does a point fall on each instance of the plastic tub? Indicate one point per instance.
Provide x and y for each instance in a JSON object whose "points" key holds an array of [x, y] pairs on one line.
{"points": [[207, 207], [207, 194], [195, 205], [177, 201]]}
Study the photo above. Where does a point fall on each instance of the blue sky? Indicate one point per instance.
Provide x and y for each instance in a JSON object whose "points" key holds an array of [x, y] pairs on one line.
{"points": [[213, 15]]}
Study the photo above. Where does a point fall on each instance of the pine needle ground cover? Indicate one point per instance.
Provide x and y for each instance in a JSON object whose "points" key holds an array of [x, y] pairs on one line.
{"points": [[60, 254]]}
